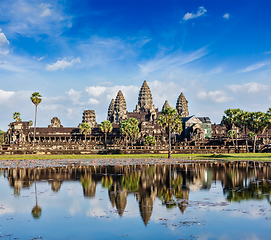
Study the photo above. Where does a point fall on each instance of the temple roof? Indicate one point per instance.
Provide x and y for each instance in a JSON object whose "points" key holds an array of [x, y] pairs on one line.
{"points": [[144, 98], [166, 105]]}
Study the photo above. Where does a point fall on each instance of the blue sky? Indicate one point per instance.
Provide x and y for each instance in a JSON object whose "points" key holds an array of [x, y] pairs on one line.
{"points": [[78, 54]]}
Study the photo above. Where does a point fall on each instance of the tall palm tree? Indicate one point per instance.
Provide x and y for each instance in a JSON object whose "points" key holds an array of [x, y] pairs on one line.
{"points": [[16, 117], [124, 129], [129, 127], [134, 129], [36, 100], [85, 128], [106, 127], [257, 123], [243, 122], [172, 121], [231, 120]]}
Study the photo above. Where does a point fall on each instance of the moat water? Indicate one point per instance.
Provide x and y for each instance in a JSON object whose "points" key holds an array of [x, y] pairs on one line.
{"points": [[184, 201]]}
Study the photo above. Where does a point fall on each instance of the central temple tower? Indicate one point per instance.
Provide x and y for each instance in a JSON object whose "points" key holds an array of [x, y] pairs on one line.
{"points": [[144, 99]]}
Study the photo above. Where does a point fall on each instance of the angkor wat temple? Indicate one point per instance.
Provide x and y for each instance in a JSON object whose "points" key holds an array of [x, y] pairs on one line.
{"points": [[195, 129]]}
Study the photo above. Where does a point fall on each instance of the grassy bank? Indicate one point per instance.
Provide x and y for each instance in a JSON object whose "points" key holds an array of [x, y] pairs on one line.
{"points": [[235, 156]]}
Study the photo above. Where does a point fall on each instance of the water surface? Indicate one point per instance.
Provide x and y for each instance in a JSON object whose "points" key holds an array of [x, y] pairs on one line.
{"points": [[184, 201]]}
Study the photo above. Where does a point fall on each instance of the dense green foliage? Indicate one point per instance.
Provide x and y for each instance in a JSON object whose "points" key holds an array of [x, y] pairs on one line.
{"points": [[256, 122], [129, 128], [150, 140], [106, 127], [172, 122], [1, 136], [85, 129]]}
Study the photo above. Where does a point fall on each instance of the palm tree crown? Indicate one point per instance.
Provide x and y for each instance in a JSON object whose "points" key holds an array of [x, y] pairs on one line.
{"points": [[106, 127], [16, 117], [85, 128], [36, 100]]}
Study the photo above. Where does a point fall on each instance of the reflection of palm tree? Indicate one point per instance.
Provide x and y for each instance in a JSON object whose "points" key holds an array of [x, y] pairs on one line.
{"points": [[89, 186], [36, 211], [130, 182], [107, 182]]}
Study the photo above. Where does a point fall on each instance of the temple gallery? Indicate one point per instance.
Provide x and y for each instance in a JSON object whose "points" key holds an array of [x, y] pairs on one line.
{"points": [[197, 131]]}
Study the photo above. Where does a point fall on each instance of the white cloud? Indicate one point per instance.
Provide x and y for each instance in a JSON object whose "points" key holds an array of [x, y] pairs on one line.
{"points": [[201, 11], [3, 43], [173, 90], [3, 39], [93, 101], [62, 64], [74, 96], [30, 18], [251, 87], [46, 11], [5, 95], [40, 58], [255, 66], [226, 16], [216, 96], [170, 61], [95, 90]]}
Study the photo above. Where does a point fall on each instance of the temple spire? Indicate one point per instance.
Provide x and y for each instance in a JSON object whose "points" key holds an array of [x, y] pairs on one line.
{"points": [[182, 106], [166, 105], [144, 99], [110, 109], [117, 109]]}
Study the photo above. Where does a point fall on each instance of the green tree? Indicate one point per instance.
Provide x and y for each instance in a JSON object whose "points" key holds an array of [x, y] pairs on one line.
{"points": [[257, 123], [150, 140], [30, 123], [1, 136], [85, 128], [231, 120], [171, 120], [231, 133], [129, 128], [16, 117], [134, 129], [268, 121], [251, 135], [243, 121], [106, 127], [36, 100]]}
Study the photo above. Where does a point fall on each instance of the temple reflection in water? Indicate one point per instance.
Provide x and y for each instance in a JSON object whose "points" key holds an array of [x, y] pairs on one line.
{"points": [[169, 183]]}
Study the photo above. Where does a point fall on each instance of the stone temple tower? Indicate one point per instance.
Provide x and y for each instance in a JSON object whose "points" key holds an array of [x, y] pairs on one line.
{"points": [[144, 99], [166, 105], [119, 112], [110, 109], [89, 117], [182, 106]]}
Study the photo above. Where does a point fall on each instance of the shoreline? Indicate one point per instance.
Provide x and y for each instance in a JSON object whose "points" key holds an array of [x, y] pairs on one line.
{"points": [[19, 161], [226, 156]]}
